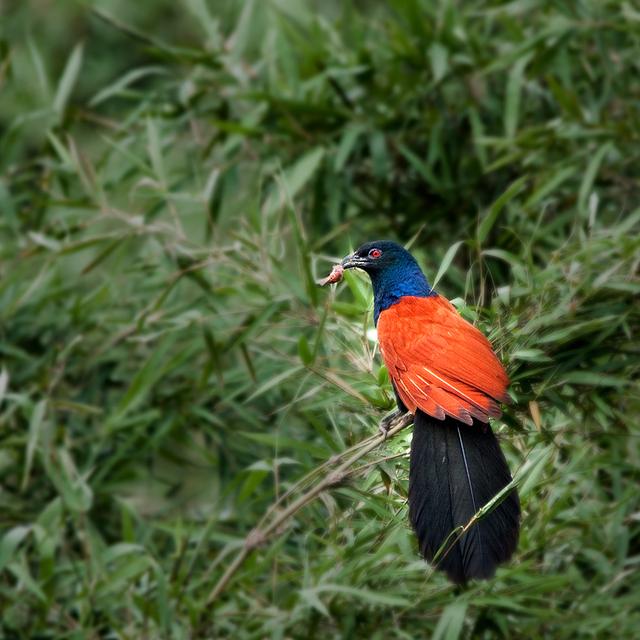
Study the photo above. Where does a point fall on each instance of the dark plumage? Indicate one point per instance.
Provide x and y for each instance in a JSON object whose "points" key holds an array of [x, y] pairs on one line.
{"points": [[454, 470]]}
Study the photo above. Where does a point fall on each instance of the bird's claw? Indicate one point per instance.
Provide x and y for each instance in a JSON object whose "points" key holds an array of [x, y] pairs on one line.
{"points": [[397, 419], [386, 422]]}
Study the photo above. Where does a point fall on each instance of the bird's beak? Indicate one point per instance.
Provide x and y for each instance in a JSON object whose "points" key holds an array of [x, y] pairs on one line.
{"points": [[353, 261]]}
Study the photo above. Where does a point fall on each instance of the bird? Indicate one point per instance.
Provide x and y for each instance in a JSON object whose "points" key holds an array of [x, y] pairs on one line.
{"points": [[445, 372]]}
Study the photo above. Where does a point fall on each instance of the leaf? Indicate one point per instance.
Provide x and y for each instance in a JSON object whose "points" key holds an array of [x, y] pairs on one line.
{"points": [[548, 186], [26, 581], [121, 550], [68, 80], [567, 99], [513, 95], [589, 177], [500, 254], [4, 384], [293, 179], [209, 23], [35, 429], [594, 378], [241, 37], [304, 351], [534, 409], [439, 58], [252, 482], [531, 355], [451, 622], [253, 324], [310, 596], [419, 165], [119, 86], [275, 381], [359, 288], [75, 492], [489, 220], [364, 595], [11, 540], [379, 154], [347, 143], [527, 476], [39, 66], [447, 260], [124, 575], [141, 384], [63, 153], [155, 151], [478, 133]]}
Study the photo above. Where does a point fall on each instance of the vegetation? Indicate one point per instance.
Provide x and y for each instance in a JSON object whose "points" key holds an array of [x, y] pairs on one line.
{"points": [[175, 176]]}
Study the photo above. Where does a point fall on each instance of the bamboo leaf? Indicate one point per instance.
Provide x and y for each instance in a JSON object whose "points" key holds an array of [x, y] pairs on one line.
{"points": [[451, 622], [68, 80], [35, 433], [489, 220], [514, 95], [590, 175], [294, 179], [447, 260]]}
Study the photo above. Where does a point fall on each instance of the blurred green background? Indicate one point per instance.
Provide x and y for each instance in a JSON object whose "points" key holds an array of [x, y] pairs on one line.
{"points": [[173, 178]]}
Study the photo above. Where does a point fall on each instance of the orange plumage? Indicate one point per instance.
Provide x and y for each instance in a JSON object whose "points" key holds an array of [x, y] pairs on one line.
{"points": [[440, 363]]}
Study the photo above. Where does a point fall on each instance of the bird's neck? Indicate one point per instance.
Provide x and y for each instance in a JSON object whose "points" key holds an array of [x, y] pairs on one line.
{"points": [[391, 285]]}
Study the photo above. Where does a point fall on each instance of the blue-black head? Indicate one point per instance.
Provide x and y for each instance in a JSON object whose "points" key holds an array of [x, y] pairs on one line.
{"points": [[394, 273]]}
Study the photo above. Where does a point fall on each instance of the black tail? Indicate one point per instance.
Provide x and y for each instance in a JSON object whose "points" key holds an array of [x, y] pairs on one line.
{"points": [[455, 469]]}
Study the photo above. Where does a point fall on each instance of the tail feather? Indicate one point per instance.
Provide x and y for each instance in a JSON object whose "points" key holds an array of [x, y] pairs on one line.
{"points": [[455, 469]]}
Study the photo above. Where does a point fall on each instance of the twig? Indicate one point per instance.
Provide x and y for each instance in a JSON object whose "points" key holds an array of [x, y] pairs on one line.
{"points": [[260, 535]]}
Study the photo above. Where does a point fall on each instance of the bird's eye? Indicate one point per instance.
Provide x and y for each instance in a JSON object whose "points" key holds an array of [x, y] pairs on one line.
{"points": [[375, 253]]}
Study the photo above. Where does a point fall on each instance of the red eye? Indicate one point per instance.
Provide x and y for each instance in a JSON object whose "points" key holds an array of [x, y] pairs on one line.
{"points": [[375, 253]]}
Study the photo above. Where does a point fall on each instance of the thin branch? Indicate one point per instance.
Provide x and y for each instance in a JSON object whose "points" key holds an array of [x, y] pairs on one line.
{"points": [[262, 533]]}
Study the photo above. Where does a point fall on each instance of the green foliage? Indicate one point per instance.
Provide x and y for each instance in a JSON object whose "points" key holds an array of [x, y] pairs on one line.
{"points": [[173, 179]]}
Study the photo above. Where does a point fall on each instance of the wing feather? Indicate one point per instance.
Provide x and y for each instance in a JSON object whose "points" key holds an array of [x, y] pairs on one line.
{"points": [[439, 362]]}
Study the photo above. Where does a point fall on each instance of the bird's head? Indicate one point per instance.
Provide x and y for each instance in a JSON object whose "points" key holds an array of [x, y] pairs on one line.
{"points": [[394, 272], [379, 255]]}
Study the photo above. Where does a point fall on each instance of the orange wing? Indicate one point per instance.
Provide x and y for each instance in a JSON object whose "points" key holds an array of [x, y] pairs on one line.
{"points": [[439, 363]]}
